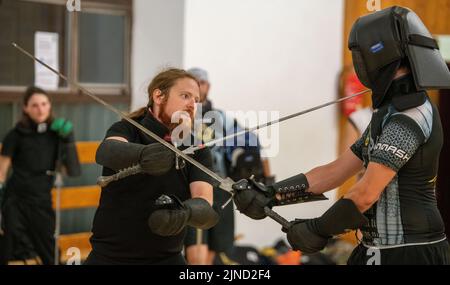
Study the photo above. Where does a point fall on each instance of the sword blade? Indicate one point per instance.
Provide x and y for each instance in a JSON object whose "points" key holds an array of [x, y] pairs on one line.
{"points": [[193, 149]]}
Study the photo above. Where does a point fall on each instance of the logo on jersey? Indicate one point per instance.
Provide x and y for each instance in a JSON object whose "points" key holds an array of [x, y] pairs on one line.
{"points": [[392, 149]]}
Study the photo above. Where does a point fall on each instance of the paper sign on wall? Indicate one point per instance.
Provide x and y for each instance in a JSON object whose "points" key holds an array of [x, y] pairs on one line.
{"points": [[46, 49]]}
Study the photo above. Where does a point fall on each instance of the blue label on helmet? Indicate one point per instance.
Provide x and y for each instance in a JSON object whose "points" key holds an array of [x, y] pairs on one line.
{"points": [[248, 159], [376, 48]]}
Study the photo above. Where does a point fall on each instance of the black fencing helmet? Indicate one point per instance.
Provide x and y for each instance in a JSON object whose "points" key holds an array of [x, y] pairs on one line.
{"points": [[382, 41]]}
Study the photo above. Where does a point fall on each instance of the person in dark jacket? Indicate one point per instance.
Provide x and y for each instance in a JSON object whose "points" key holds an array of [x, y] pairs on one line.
{"points": [[34, 149]]}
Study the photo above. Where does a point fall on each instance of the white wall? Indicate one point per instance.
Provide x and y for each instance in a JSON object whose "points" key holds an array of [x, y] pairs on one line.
{"points": [[280, 55], [157, 42]]}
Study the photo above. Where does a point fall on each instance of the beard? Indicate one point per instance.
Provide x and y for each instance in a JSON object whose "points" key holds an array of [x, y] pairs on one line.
{"points": [[182, 118]]}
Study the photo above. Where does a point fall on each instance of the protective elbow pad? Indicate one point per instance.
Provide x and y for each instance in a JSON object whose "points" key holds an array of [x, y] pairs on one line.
{"points": [[201, 214], [118, 155]]}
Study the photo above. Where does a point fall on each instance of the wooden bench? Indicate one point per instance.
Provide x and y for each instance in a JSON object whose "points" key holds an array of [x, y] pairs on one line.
{"points": [[78, 198]]}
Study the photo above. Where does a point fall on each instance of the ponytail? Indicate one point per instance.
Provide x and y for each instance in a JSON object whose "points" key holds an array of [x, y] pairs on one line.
{"points": [[138, 113]]}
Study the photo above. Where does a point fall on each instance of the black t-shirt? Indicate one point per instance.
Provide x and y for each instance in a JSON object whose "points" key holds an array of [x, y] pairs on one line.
{"points": [[32, 155], [408, 142], [120, 229]]}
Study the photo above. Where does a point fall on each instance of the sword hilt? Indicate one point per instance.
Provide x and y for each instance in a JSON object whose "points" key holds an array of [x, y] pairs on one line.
{"points": [[277, 218], [103, 181]]}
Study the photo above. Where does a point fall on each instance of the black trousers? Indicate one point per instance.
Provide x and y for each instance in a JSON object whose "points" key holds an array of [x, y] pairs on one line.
{"points": [[29, 230], [98, 259], [431, 254]]}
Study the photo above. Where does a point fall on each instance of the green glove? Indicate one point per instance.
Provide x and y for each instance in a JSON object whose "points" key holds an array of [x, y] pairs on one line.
{"points": [[62, 126]]}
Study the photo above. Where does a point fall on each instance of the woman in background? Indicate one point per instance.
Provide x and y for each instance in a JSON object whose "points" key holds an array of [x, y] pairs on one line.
{"points": [[33, 148]]}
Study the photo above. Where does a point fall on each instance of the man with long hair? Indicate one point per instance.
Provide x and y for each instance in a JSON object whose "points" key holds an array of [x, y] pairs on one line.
{"points": [[142, 218]]}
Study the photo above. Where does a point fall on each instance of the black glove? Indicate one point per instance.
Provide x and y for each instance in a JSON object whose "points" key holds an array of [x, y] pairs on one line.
{"points": [[251, 197], [172, 215], [155, 159], [302, 236], [312, 235]]}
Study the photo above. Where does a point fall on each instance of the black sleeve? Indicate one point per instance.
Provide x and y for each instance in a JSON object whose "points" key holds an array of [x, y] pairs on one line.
{"points": [[122, 129], [356, 148], [204, 157], [399, 141], [70, 156], [10, 144]]}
